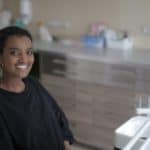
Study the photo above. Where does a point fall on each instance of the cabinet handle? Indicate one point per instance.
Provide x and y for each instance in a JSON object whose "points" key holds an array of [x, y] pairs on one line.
{"points": [[59, 61], [59, 72], [123, 68], [72, 73]]}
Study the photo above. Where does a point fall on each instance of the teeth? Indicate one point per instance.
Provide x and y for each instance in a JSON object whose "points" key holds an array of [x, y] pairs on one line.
{"points": [[22, 66]]}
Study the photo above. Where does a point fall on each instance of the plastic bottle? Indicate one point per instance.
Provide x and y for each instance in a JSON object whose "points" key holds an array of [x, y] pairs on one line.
{"points": [[44, 34], [26, 11]]}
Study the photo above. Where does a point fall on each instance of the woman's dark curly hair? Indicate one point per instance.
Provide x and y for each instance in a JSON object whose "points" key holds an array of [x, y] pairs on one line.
{"points": [[9, 31]]}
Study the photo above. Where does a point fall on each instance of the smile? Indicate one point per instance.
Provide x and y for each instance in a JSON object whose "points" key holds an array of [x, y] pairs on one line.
{"points": [[22, 66]]}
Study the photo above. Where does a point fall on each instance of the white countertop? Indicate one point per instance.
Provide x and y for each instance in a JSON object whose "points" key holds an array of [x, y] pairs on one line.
{"points": [[123, 56]]}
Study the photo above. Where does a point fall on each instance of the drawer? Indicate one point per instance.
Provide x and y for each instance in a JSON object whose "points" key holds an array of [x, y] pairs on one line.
{"points": [[143, 74], [122, 76], [85, 70], [53, 63], [57, 81]]}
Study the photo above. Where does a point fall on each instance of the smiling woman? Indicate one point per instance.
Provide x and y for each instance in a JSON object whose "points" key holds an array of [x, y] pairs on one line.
{"points": [[29, 116], [17, 57]]}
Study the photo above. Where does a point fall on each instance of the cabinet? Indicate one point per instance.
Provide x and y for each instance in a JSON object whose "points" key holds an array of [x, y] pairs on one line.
{"points": [[94, 96], [143, 79], [101, 109], [94, 111], [120, 75], [62, 90], [53, 72], [53, 63]]}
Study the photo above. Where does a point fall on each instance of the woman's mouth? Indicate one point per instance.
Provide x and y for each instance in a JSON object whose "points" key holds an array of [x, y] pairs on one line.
{"points": [[23, 66]]}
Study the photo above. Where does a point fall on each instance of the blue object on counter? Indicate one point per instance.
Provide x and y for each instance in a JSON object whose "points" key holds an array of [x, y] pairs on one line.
{"points": [[93, 41]]}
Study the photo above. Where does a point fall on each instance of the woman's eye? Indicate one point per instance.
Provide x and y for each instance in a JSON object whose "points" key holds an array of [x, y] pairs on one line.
{"points": [[30, 52], [14, 52]]}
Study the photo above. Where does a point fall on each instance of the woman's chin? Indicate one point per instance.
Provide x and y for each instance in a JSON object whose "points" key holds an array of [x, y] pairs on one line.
{"points": [[23, 75]]}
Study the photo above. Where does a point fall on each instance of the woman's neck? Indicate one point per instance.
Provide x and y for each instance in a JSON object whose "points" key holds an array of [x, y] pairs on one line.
{"points": [[12, 84]]}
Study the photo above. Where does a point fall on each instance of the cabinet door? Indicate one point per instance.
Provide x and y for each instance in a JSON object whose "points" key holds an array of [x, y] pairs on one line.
{"points": [[101, 109], [143, 79], [123, 76], [89, 71], [63, 90]]}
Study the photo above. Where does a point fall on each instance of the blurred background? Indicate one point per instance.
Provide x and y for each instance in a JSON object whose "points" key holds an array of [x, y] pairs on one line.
{"points": [[78, 17]]}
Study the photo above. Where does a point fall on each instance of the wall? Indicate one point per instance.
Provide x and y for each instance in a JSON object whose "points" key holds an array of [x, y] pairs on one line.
{"points": [[13, 6], [129, 15], [1, 5], [81, 13]]}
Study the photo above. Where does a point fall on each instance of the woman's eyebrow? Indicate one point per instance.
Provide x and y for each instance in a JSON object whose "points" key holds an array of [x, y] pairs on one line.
{"points": [[13, 48], [30, 48]]}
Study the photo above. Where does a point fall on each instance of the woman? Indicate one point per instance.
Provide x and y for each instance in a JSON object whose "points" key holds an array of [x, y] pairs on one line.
{"points": [[30, 119]]}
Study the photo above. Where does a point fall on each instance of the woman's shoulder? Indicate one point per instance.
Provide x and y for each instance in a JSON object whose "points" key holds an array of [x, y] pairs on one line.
{"points": [[34, 83]]}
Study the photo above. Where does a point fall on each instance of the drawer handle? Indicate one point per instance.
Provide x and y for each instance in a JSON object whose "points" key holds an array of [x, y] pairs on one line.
{"points": [[58, 61], [72, 73], [59, 72]]}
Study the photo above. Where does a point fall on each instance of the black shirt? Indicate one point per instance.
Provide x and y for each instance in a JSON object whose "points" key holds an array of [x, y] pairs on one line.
{"points": [[32, 120]]}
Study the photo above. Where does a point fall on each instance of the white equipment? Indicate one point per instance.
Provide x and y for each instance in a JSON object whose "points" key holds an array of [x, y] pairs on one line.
{"points": [[135, 133]]}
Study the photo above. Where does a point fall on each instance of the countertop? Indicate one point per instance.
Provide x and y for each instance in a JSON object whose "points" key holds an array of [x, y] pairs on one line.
{"points": [[113, 56]]}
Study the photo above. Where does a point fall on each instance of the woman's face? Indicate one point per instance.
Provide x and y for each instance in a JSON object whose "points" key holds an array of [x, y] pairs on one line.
{"points": [[17, 57]]}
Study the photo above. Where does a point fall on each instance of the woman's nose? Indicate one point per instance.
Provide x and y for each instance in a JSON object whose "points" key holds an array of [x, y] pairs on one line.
{"points": [[23, 57]]}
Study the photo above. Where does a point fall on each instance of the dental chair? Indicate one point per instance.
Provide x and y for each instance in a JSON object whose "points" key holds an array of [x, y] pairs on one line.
{"points": [[134, 134]]}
